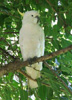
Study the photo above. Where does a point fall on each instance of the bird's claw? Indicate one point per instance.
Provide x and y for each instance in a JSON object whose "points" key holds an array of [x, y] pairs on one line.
{"points": [[34, 58], [30, 60]]}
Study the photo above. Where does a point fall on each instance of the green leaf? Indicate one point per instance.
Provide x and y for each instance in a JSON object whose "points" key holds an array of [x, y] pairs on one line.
{"points": [[55, 31], [55, 44], [2, 18], [49, 93], [42, 92], [56, 38], [7, 91], [23, 94], [27, 1], [64, 98]]}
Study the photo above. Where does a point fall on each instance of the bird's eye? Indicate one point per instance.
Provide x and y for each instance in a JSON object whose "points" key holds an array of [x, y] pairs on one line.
{"points": [[32, 15]]}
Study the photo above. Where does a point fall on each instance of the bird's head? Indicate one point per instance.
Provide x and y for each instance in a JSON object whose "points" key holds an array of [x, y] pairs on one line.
{"points": [[31, 17]]}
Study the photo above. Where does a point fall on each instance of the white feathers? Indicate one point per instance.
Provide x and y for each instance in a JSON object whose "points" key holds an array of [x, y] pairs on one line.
{"points": [[31, 42]]}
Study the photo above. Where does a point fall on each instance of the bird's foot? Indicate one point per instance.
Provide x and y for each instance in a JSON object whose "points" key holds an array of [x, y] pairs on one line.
{"points": [[34, 58], [31, 60]]}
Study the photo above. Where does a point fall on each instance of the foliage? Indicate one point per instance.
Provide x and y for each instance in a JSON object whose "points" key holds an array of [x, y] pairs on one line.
{"points": [[56, 20]]}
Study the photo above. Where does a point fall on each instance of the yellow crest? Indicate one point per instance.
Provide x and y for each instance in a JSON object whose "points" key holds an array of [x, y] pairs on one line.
{"points": [[22, 14]]}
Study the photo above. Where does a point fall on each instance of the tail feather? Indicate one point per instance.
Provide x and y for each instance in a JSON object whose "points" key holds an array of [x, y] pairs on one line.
{"points": [[34, 72], [32, 84]]}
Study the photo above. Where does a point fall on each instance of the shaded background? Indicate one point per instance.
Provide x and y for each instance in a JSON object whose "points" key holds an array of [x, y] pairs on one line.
{"points": [[56, 20]]}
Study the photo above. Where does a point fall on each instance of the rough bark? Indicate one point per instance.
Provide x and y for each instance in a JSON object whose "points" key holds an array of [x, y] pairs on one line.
{"points": [[17, 64]]}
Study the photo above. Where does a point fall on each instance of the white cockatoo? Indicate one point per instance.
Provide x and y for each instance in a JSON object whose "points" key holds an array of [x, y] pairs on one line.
{"points": [[31, 40]]}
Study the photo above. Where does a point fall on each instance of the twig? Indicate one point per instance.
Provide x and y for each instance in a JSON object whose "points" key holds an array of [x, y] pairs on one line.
{"points": [[7, 53], [55, 11], [4, 12], [9, 32], [58, 77], [51, 5], [26, 75], [37, 1], [2, 38]]}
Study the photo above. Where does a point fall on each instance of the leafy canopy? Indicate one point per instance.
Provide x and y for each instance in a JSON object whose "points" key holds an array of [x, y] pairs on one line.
{"points": [[56, 20]]}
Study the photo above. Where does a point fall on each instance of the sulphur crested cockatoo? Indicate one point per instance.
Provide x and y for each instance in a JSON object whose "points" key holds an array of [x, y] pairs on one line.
{"points": [[31, 40]]}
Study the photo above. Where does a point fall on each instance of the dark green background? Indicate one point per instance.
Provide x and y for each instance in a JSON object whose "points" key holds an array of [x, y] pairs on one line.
{"points": [[57, 37]]}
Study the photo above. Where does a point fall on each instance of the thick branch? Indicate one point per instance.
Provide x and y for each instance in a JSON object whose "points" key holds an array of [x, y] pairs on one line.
{"points": [[17, 64]]}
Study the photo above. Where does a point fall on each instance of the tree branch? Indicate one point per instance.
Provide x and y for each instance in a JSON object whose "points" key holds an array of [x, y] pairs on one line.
{"points": [[58, 77], [10, 32], [7, 53], [55, 11], [51, 5], [8, 13], [17, 64], [27, 76]]}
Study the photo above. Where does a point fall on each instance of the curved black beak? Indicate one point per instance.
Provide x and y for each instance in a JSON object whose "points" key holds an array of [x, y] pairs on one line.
{"points": [[38, 18]]}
